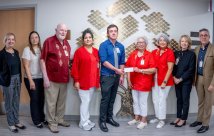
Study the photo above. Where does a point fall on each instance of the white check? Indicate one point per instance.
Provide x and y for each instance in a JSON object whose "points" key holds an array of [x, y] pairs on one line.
{"points": [[131, 69]]}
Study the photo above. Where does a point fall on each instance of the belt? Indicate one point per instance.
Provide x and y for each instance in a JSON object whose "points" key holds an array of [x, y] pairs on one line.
{"points": [[111, 75]]}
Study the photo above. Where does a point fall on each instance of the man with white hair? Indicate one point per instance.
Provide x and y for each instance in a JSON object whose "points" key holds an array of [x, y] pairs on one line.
{"points": [[54, 64]]}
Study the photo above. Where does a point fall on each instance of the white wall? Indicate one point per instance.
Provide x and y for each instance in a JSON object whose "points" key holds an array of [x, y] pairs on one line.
{"points": [[182, 15]]}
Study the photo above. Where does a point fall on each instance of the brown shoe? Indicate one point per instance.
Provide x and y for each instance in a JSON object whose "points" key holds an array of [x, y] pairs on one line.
{"points": [[64, 124], [53, 128]]}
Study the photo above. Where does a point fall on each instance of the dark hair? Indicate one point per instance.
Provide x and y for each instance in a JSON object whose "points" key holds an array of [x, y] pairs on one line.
{"points": [[204, 29], [31, 45], [111, 26], [86, 31]]}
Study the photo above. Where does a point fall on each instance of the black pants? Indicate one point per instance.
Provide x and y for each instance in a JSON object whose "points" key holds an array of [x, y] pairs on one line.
{"points": [[183, 98], [36, 100], [109, 86]]}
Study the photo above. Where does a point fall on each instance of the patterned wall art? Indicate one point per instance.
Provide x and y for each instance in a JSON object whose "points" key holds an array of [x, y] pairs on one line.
{"points": [[155, 23], [125, 6]]}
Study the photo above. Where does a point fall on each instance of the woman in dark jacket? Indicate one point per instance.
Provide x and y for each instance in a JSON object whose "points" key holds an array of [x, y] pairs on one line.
{"points": [[183, 74], [10, 80]]}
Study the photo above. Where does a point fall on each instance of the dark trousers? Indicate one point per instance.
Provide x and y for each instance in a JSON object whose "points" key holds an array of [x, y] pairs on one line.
{"points": [[183, 98], [36, 100], [109, 86]]}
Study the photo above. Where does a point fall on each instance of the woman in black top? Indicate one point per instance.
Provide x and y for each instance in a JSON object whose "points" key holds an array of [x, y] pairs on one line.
{"points": [[10, 79], [183, 74]]}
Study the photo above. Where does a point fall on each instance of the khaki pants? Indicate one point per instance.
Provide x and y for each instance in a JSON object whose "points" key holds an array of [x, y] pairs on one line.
{"points": [[205, 98], [55, 98]]}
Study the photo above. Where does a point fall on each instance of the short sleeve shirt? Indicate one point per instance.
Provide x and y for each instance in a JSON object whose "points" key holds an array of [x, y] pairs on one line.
{"points": [[34, 59], [56, 57], [161, 61], [140, 81]]}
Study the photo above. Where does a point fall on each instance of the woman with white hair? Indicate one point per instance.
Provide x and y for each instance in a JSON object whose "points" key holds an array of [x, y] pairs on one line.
{"points": [[140, 81], [164, 59]]}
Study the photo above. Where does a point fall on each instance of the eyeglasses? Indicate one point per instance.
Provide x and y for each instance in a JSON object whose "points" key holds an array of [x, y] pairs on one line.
{"points": [[140, 43], [203, 35]]}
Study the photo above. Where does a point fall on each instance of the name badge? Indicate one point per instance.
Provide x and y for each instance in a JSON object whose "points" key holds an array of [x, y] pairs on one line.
{"points": [[66, 52], [201, 63], [117, 50], [176, 62], [142, 62]]}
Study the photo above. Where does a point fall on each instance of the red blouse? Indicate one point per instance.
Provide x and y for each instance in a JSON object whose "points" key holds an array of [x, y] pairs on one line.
{"points": [[161, 61], [85, 68], [140, 81]]}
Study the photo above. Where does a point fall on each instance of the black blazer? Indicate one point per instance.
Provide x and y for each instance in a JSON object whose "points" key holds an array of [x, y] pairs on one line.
{"points": [[5, 74], [185, 67]]}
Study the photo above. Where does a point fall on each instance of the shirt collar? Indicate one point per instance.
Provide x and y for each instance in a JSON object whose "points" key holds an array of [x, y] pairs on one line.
{"points": [[109, 42], [205, 47]]}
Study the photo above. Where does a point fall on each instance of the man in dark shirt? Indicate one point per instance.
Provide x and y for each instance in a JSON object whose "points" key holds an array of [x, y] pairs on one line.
{"points": [[204, 80], [112, 57]]}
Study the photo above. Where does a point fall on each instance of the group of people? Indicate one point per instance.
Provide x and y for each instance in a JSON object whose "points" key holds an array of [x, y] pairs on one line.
{"points": [[47, 74], [159, 70]]}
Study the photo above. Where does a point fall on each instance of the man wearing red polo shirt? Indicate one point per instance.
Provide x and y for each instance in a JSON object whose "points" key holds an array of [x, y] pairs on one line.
{"points": [[54, 64]]}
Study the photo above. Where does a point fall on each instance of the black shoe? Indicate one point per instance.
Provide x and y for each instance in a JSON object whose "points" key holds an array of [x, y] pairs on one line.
{"points": [[112, 122], [196, 123], [176, 125], [20, 126], [45, 123], [103, 126], [203, 129], [39, 125]]}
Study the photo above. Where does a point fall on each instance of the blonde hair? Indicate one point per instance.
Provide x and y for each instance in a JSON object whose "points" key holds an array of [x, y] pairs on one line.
{"points": [[188, 40], [7, 35]]}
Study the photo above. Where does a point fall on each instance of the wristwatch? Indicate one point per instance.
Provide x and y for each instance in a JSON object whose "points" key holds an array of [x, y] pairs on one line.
{"points": [[164, 82]]}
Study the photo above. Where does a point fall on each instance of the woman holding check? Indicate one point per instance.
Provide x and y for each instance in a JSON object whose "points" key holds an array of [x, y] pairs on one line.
{"points": [[140, 80]]}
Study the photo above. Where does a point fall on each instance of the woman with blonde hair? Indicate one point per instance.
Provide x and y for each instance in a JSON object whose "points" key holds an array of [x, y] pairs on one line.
{"points": [[10, 79], [183, 75]]}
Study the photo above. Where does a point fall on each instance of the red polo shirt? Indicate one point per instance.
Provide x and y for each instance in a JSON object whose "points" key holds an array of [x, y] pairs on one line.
{"points": [[161, 61], [85, 68], [140, 81], [56, 57]]}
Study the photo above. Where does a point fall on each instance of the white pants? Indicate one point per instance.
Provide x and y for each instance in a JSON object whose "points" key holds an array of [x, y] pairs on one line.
{"points": [[140, 102], [159, 97], [85, 96]]}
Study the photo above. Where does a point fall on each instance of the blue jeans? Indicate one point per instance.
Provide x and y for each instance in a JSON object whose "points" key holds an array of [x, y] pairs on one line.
{"points": [[11, 98]]}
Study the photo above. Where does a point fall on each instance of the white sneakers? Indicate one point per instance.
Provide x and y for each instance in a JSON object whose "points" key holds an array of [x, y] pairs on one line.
{"points": [[141, 125], [160, 124], [87, 126], [133, 122], [152, 121], [92, 124]]}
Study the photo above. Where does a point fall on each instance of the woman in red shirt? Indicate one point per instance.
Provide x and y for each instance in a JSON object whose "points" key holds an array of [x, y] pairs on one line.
{"points": [[85, 72], [140, 81], [164, 59]]}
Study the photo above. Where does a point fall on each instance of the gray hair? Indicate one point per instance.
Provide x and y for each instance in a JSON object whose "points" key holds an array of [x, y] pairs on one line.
{"points": [[144, 38], [165, 37], [204, 29]]}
